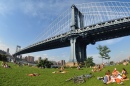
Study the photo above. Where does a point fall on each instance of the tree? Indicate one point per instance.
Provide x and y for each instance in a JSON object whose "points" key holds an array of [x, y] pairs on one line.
{"points": [[3, 57], [103, 51], [89, 62], [111, 62], [44, 64]]}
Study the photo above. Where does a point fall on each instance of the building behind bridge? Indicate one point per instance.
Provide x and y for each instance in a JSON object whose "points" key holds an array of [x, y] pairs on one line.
{"points": [[29, 59]]}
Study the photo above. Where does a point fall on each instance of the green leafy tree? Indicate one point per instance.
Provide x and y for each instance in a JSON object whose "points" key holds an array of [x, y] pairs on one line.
{"points": [[3, 57], [89, 62], [111, 62], [103, 51], [44, 64]]}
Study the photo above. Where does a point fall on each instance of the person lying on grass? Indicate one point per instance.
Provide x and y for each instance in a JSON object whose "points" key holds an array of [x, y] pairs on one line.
{"points": [[33, 74]]}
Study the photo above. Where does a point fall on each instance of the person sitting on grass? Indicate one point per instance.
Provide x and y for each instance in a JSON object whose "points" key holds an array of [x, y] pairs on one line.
{"points": [[99, 67], [113, 79], [115, 73], [106, 79], [2, 64], [78, 67], [5, 65], [94, 69], [124, 74], [109, 72], [62, 68]]}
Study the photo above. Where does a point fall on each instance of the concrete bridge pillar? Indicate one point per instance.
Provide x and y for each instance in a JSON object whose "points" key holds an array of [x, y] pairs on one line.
{"points": [[78, 50]]}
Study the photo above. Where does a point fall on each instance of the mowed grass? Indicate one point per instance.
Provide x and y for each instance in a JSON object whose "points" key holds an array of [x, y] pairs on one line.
{"points": [[17, 76]]}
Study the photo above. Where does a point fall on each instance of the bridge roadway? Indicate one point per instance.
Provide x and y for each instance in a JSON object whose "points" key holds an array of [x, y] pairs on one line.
{"points": [[88, 35]]}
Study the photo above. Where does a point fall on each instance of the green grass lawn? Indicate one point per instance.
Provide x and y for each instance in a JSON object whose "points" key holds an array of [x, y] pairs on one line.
{"points": [[17, 76]]}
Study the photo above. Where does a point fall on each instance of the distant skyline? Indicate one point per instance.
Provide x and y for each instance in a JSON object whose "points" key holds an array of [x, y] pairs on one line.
{"points": [[21, 21]]}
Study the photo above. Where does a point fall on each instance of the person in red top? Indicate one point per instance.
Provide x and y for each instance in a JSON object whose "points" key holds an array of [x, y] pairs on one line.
{"points": [[115, 73]]}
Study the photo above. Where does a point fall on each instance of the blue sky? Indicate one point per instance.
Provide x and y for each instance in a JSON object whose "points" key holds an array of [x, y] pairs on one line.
{"points": [[21, 21]]}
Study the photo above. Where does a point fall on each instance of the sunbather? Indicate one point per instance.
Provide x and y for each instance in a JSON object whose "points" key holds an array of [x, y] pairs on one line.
{"points": [[33, 74]]}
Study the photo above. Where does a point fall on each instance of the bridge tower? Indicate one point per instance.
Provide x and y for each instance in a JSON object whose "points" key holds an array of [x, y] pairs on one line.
{"points": [[78, 46], [17, 49]]}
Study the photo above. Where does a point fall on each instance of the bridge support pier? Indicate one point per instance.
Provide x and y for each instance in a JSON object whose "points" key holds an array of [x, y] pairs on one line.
{"points": [[78, 47], [78, 50]]}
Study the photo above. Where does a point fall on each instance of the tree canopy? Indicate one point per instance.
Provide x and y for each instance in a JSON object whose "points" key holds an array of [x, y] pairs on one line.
{"points": [[103, 51], [44, 64], [3, 57], [89, 62]]}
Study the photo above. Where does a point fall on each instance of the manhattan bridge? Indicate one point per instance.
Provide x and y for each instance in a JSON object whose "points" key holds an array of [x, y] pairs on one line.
{"points": [[83, 24]]}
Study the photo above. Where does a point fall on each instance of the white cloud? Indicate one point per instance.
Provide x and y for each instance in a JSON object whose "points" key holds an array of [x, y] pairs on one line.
{"points": [[38, 8], [29, 8], [7, 7], [3, 9]]}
